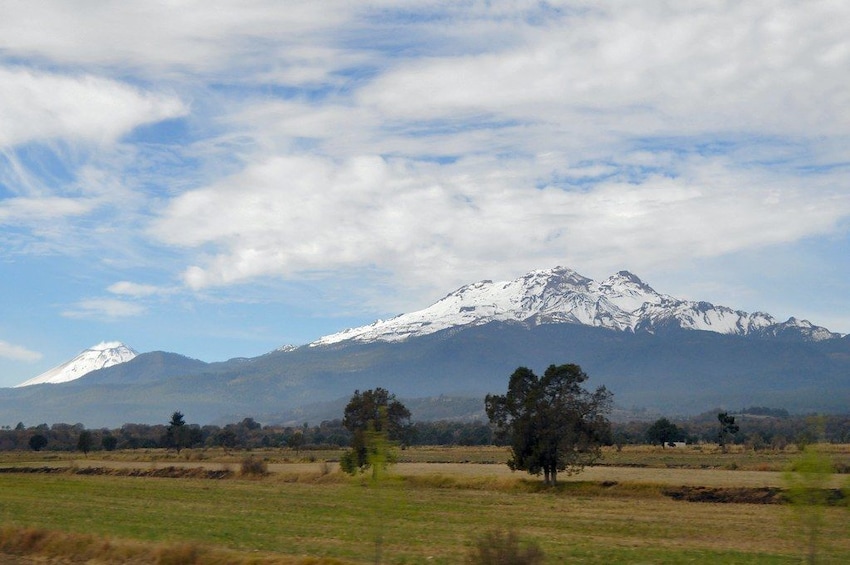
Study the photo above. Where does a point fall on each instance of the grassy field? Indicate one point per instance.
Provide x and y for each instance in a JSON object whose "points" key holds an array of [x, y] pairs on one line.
{"points": [[688, 457], [431, 510]]}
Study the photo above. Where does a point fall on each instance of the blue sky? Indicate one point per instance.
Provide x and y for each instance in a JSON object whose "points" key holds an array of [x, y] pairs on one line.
{"points": [[223, 178]]}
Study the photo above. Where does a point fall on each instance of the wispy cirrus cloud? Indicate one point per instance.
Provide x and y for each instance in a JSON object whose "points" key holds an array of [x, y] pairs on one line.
{"points": [[27, 210]]}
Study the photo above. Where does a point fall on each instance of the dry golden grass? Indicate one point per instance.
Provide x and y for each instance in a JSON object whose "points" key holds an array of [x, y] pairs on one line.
{"points": [[427, 512], [52, 546], [707, 456]]}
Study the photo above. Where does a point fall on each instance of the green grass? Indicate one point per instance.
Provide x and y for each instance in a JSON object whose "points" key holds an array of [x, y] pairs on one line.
{"points": [[419, 523], [432, 514]]}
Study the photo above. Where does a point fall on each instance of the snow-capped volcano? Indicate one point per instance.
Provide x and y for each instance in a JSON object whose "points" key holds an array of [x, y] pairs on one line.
{"points": [[560, 295], [102, 355]]}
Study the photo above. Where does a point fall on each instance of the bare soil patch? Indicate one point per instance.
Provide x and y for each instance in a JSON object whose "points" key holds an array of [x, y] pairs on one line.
{"points": [[169, 472], [742, 495], [764, 495]]}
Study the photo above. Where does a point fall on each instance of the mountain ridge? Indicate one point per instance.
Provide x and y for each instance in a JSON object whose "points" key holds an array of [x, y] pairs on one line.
{"points": [[622, 302], [639, 343], [672, 372], [561, 295]]}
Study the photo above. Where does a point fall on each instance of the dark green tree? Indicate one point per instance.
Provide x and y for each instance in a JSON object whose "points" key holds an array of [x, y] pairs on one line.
{"points": [[37, 442], [85, 441], [370, 416], [177, 420], [728, 428], [250, 424], [176, 433], [664, 431], [551, 422], [225, 438], [109, 442], [295, 441]]}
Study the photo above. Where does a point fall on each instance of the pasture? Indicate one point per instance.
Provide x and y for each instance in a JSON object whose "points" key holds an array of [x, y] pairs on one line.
{"points": [[431, 509]]}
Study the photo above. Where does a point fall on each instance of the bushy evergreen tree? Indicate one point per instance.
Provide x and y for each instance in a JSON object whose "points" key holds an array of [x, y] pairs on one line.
{"points": [[728, 428]]}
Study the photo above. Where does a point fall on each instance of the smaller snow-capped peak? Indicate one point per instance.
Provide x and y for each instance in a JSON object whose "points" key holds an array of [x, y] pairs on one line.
{"points": [[803, 328], [705, 316], [100, 356]]}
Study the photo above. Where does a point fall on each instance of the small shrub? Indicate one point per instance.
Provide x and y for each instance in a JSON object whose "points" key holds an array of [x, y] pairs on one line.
{"points": [[254, 467], [500, 548], [181, 554], [348, 462]]}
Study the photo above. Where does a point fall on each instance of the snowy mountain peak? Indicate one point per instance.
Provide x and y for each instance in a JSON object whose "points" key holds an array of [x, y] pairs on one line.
{"points": [[627, 280], [561, 295], [629, 292], [102, 355]]}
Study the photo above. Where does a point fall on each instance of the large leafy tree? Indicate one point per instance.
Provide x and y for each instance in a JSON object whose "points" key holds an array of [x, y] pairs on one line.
{"points": [[551, 422], [37, 442], [373, 417], [663, 431]]}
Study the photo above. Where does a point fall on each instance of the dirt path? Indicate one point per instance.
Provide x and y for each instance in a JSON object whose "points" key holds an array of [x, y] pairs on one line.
{"points": [[663, 476], [677, 476]]}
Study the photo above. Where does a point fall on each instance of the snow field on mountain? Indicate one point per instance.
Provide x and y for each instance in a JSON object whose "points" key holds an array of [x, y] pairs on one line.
{"points": [[560, 295], [102, 355]]}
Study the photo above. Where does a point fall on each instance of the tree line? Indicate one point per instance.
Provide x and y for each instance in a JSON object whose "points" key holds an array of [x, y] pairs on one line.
{"points": [[759, 428], [246, 434]]}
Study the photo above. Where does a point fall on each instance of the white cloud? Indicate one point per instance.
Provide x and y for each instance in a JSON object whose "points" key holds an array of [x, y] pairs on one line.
{"points": [[17, 352], [288, 216], [100, 308], [641, 68], [136, 290], [487, 140], [178, 39], [37, 106], [27, 210]]}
